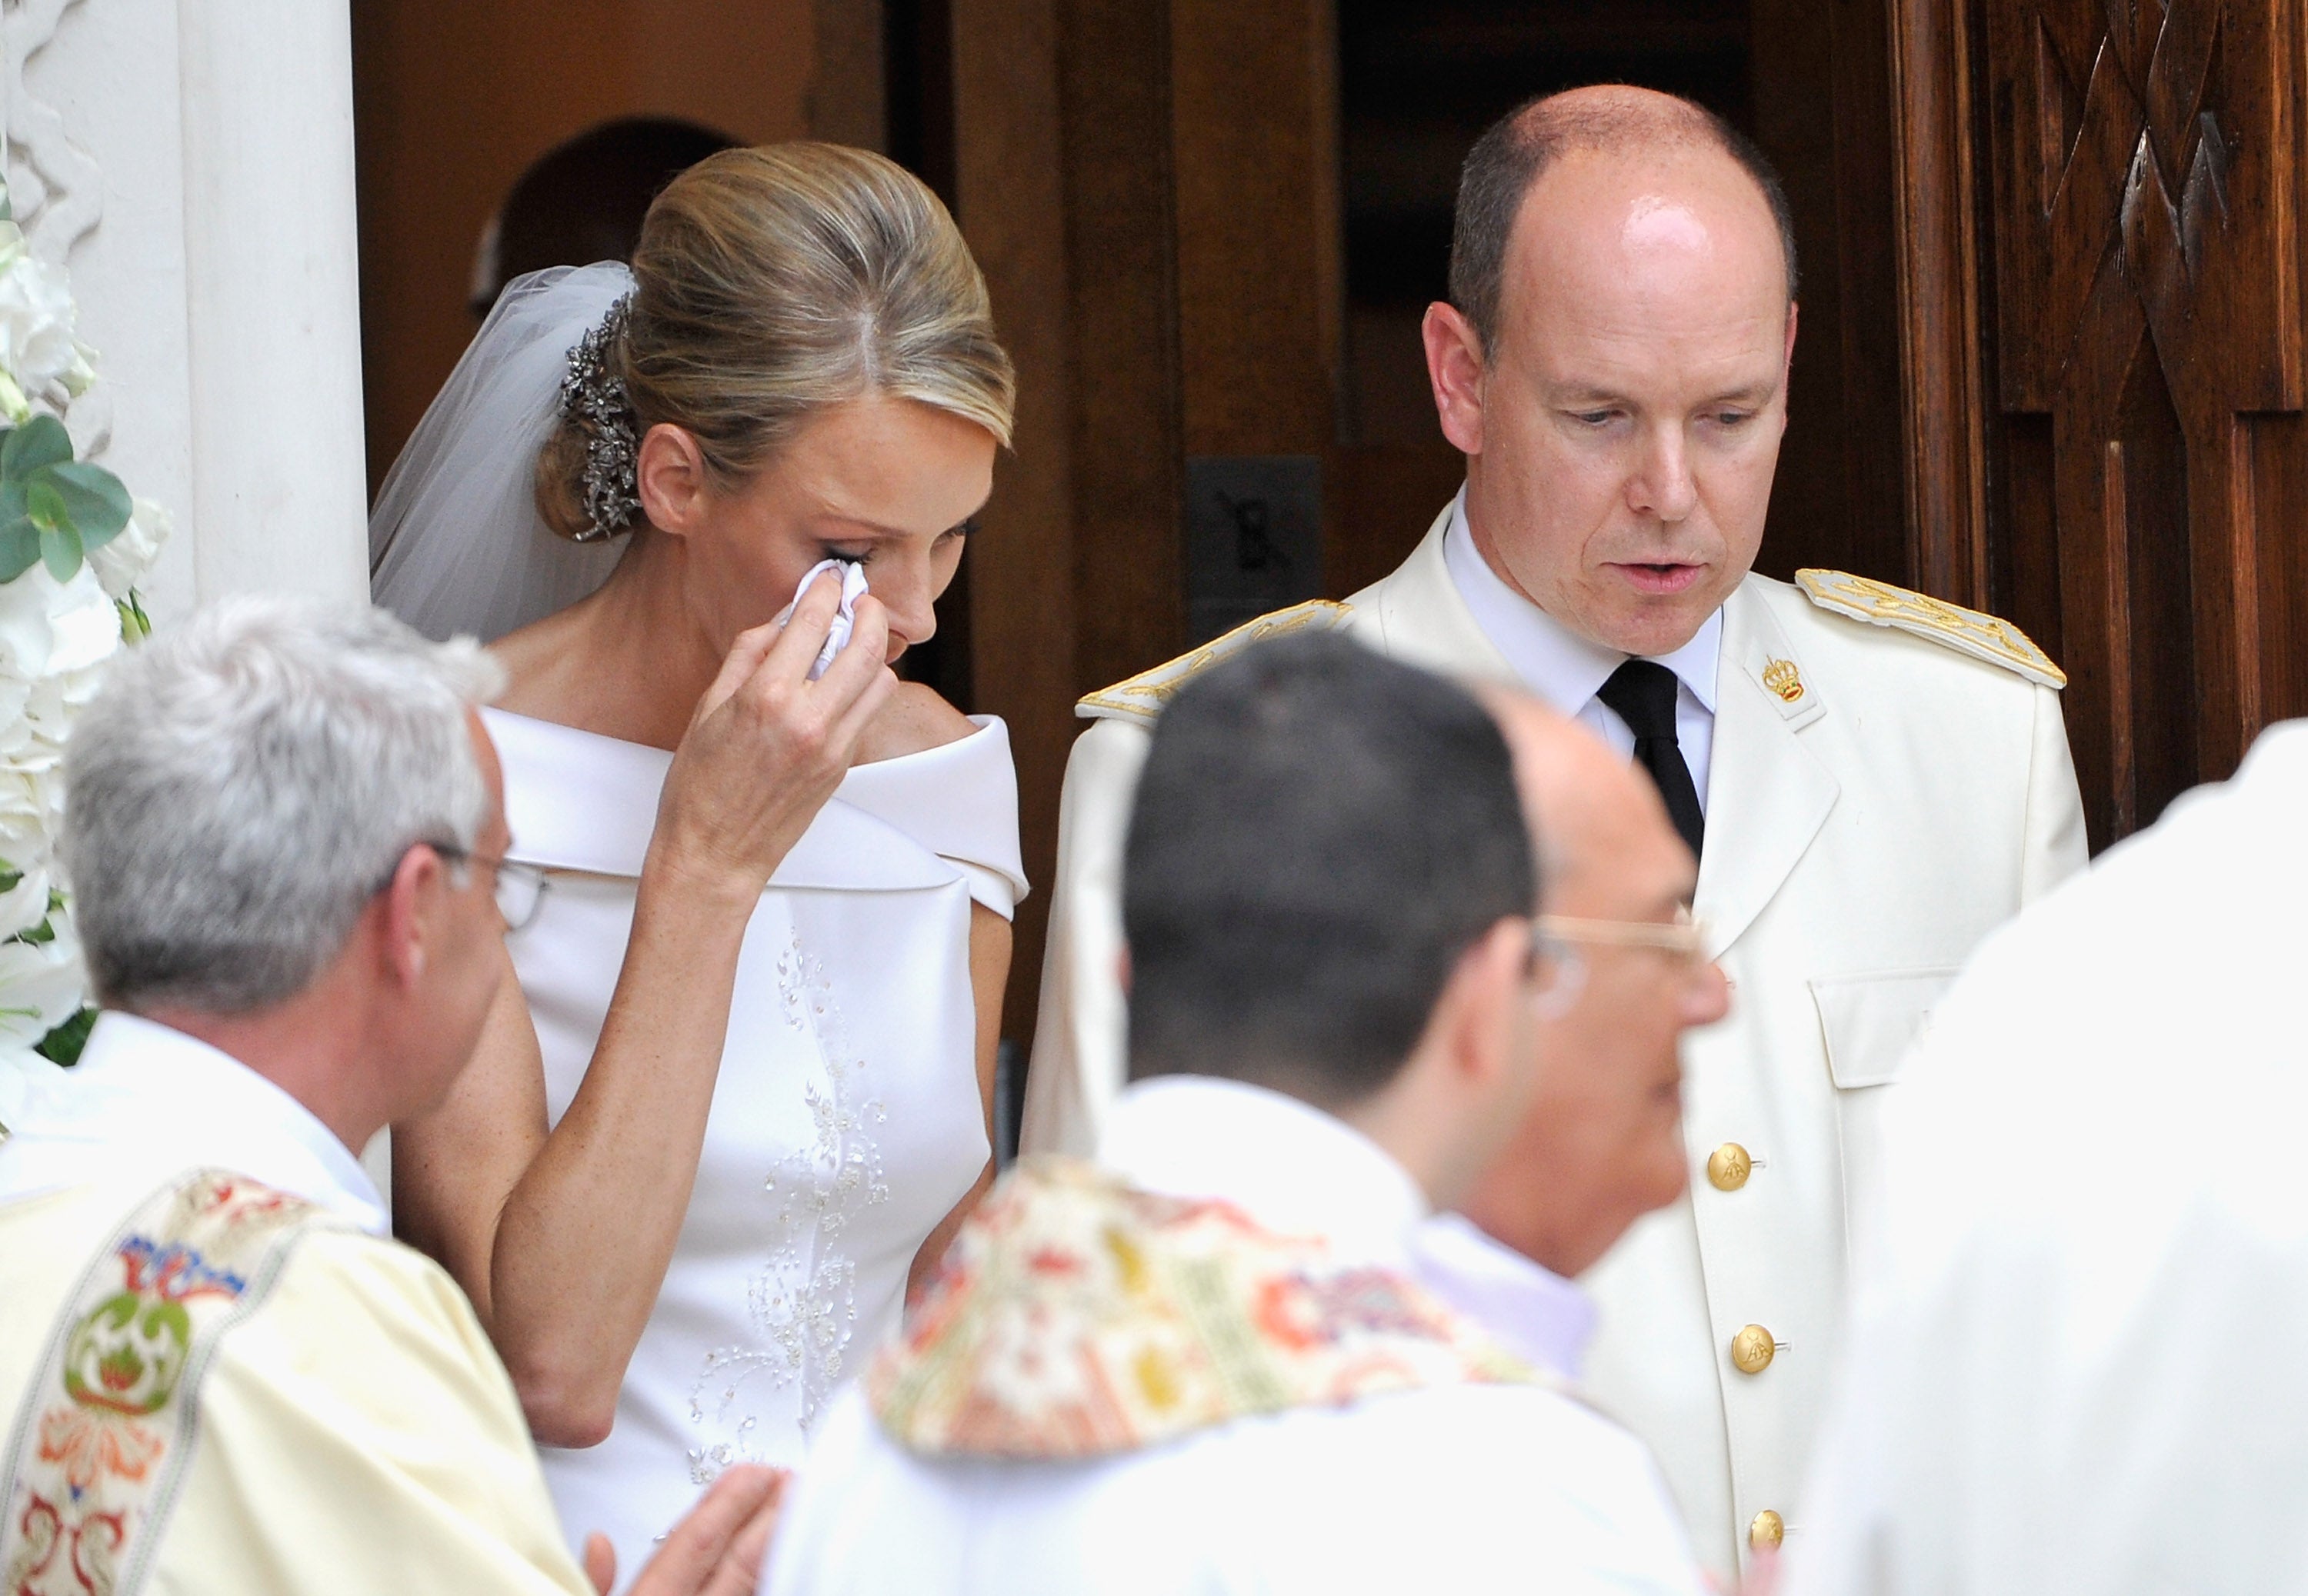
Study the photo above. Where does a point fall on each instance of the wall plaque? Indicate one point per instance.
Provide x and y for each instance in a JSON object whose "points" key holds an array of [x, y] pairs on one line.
{"points": [[1253, 537]]}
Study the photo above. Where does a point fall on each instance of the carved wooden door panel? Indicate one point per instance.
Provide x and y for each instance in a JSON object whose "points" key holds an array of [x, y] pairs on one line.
{"points": [[2145, 158]]}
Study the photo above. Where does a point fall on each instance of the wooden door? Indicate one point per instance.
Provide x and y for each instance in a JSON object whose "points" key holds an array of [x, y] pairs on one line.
{"points": [[2148, 516]]}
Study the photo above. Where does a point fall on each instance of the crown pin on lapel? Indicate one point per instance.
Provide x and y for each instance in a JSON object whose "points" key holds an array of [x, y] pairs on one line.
{"points": [[1782, 677]]}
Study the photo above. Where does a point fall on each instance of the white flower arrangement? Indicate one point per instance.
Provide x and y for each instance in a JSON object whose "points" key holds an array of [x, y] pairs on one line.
{"points": [[72, 546]]}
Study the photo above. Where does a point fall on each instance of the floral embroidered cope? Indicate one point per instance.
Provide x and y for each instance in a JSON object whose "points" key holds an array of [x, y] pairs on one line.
{"points": [[106, 1425], [1077, 1317]]}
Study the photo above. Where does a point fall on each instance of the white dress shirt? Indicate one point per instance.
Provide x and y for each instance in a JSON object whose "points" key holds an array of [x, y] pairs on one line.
{"points": [[142, 1092], [1465, 1488], [1566, 671]]}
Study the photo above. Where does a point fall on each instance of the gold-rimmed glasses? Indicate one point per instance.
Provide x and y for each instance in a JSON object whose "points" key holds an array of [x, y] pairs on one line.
{"points": [[1556, 972], [1684, 937], [519, 888]]}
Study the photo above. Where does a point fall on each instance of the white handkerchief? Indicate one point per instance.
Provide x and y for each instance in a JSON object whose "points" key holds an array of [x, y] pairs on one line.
{"points": [[853, 588]]}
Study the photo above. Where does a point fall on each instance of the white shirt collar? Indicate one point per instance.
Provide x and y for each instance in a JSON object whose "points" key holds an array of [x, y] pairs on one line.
{"points": [[1295, 1168], [172, 1103], [1564, 669]]}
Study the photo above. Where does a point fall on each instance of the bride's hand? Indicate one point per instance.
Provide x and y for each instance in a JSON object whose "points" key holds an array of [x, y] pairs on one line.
{"points": [[767, 746]]}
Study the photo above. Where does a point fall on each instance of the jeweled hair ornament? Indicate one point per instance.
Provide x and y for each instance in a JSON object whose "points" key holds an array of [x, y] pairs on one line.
{"points": [[594, 396]]}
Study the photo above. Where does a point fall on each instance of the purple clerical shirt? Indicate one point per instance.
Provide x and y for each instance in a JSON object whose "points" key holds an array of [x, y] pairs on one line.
{"points": [[1531, 1311]]}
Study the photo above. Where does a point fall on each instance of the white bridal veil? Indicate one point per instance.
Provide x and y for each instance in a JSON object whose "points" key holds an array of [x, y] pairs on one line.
{"points": [[455, 545]]}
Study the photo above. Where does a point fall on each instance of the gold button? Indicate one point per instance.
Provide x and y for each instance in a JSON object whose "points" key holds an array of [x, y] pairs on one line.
{"points": [[1767, 1528], [1752, 1350], [1727, 1167]]}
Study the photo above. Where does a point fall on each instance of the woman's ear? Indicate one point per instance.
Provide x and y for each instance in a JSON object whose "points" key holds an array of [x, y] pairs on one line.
{"points": [[671, 479]]}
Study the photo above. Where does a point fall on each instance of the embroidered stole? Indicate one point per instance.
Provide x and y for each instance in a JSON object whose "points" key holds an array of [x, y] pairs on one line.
{"points": [[1077, 1317], [100, 1442]]}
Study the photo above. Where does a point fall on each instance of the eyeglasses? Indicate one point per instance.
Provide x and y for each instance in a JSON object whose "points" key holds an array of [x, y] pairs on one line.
{"points": [[1556, 972], [519, 888], [1684, 937]]}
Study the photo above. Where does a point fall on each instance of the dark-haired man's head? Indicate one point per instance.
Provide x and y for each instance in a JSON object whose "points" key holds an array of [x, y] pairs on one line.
{"points": [[1327, 891], [1613, 365]]}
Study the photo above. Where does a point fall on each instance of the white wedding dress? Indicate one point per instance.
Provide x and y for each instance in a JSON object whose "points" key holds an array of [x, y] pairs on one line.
{"points": [[846, 1121]]}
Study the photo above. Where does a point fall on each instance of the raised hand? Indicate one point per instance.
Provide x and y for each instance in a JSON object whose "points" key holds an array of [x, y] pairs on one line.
{"points": [[716, 1550], [767, 746]]}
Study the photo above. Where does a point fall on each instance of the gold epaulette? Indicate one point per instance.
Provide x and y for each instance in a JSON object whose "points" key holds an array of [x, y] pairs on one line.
{"points": [[1143, 696], [1966, 632]]}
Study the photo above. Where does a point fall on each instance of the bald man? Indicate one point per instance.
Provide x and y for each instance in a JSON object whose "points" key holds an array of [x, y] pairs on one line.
{"points": [[1873, 780]]}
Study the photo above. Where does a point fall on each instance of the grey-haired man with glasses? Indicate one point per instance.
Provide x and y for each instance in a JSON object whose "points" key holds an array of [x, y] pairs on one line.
{"points": [[285, 835]]}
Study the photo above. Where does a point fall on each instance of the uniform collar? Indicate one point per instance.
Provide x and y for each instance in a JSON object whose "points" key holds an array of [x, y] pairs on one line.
{"points": [[169, 1102], [1564, 669], [1293, 1169]]}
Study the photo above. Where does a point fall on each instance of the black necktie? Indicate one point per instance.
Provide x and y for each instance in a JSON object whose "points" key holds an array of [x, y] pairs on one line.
{"points": [[1641, 692]]}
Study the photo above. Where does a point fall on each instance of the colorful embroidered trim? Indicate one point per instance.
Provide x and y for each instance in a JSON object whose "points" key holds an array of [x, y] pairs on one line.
{"points": [[107, 1426], [1076, 1318]]}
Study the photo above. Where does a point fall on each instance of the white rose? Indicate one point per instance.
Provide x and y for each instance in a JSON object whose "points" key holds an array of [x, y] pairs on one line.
{"points": [[41, 986], [36, 346], [48, 628], [26, 904], [122, 563]]}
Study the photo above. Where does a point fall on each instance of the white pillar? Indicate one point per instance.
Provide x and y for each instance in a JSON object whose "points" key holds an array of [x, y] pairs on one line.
{"points": [[192, 162]]}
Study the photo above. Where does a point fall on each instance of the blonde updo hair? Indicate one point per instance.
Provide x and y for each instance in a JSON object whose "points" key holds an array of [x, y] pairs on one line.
{"points": [[773, 283]]}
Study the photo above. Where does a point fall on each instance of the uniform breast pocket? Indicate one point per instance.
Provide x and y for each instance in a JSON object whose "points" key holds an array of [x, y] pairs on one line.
{"points": [[1870, 1021]]}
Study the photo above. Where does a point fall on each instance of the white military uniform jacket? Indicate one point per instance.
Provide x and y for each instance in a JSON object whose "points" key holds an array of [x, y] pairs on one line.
{"points": [[1882, 797]]}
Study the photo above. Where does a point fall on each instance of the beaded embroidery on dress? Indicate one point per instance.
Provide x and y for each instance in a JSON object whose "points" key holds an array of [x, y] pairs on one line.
{"points": [[803, 1302]]}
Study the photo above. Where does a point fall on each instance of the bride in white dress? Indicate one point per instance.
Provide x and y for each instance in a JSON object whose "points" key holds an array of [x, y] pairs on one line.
{"points": [[739, 1093]]}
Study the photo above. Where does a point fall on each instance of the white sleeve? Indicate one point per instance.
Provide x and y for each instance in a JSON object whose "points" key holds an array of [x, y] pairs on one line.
{"points": [[1081, 1032]]}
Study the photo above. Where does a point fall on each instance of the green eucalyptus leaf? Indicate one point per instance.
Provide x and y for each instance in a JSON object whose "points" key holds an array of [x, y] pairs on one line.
{"points": [[12, 499], [42, 440], [95, 499], [19, 547], [45, 504], [60, 548]]}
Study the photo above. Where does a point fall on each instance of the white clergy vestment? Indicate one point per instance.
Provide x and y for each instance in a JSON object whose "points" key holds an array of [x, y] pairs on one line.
{"points": [[356, 1433], [1877, 801], [1470, 1488], [2077, 1362]]}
